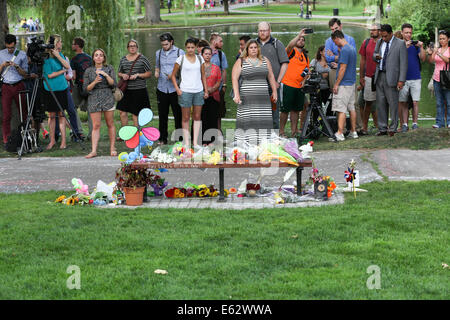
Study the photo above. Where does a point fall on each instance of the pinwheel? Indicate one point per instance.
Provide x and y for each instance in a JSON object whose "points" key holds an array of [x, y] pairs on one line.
{"points": [[136, 137], [349, 175]]}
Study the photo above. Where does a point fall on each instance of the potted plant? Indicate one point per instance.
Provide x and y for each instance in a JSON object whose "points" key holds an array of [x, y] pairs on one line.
{"points": [[132, 182], [158, 184]]}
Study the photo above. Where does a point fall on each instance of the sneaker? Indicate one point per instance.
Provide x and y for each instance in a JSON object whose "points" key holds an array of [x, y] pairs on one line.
{"points": [[415, 126], [339, 137], [405, 128], [353, 135], [435, 126]]}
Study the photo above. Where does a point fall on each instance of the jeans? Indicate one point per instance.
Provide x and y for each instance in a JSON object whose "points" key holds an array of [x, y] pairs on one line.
{"points": [[166, 100], [442, 96], [72, 115]]}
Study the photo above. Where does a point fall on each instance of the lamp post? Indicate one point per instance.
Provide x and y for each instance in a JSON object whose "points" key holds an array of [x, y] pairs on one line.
{"points": [[307, 10]]}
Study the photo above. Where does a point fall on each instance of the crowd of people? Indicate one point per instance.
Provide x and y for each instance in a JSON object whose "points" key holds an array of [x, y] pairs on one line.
{"points": [[267, 80], [29, 25]]}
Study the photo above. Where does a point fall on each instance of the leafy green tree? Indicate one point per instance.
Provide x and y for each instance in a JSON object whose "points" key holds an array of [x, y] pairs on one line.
{"points": [[423, 15], [4, 23]]}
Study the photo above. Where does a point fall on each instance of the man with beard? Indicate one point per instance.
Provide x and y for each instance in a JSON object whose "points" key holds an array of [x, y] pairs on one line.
{"points": [[293, 80], [366, 73]]}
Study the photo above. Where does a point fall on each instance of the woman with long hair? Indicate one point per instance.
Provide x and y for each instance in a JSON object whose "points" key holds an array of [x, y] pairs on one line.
{"points": [[252, 96], [135, 98], [98, 81], [54, 70], [192, 89], [440, 56], [210, 110]]}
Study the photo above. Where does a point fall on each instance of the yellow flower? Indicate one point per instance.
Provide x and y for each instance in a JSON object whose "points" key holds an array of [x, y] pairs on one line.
{"points": [[214, 194], [60, 199], [70, 201], [202, 186], [226, 192], [201, 193]]}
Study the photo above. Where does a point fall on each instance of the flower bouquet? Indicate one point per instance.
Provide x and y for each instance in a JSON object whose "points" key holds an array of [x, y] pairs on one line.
{"points": [[158, 184]]}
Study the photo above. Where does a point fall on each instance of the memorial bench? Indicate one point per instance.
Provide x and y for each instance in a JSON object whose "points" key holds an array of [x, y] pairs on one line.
{"points": [[226, 165]]}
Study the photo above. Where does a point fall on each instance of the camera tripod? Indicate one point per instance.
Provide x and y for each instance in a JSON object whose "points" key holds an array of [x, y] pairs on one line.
{"points": [[30, 135], [316, 129]]}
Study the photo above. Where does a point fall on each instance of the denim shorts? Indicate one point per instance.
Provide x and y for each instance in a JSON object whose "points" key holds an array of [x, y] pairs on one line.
{"points": [[187, 99]]}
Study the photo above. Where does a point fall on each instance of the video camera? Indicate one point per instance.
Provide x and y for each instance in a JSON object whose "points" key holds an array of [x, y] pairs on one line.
{"points": [[312, 84], [36, 50]]}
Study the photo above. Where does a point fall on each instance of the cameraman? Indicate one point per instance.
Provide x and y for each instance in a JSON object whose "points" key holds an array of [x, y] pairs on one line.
{"points": [[413, 84], [54, 70], [13, 69], [293, 81]]}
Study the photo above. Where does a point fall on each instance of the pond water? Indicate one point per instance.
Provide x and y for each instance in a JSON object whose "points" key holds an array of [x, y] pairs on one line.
{"points": [[149, 43]]}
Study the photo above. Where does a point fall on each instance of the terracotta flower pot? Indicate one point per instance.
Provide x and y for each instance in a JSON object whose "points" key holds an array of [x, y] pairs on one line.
{"points": [[134, 197]]}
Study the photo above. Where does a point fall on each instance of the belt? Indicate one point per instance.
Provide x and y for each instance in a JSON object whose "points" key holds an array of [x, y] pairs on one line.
{"points": [[13, 84], [382, 71]]}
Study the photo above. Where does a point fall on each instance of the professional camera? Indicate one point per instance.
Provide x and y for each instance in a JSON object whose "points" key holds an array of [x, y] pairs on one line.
{"points": [[312, 84], [414, 43], [36, 50]]}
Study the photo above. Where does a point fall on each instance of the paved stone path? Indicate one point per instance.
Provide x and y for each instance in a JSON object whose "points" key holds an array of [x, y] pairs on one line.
{"points": [[38, 174]]}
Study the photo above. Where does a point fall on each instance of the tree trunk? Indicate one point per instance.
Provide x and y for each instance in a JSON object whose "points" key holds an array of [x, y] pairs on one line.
{"points": [[162, 4], [226, 9], [314, 5], [4, 27], [381, 8], [152, 11], [138, 6]]}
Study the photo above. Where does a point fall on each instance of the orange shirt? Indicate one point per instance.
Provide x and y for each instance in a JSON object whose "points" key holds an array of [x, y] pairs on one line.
{"points": [[297, 64]]}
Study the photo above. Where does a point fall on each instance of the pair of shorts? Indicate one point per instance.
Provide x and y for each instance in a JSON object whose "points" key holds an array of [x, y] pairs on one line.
{"points": [[50, 103], [413, 87], [345, 99], [293, 99], [188, 99], [369, 95]]}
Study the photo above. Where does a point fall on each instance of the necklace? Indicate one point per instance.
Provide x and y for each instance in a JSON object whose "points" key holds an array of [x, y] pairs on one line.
{"points": [[254, 62]]}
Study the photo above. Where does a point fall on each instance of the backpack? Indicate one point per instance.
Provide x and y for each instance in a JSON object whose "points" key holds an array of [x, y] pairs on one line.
{"points": [[14, 140]]}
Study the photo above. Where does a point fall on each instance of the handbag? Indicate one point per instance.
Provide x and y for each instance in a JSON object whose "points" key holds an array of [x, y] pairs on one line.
{"points": [[123, 84], [445, 77], [117, 93]]}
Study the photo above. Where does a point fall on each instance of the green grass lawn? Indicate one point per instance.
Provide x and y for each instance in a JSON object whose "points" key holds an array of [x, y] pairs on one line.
{"points": [[307, 253]]}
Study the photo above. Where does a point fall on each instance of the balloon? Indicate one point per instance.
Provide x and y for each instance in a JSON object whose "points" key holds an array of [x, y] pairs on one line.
{"points": [[127, 132], [132, 156], [123, 157], [145, 116]]}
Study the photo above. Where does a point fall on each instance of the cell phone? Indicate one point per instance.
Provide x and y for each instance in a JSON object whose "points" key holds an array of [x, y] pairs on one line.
{"points": [[309, 30]]}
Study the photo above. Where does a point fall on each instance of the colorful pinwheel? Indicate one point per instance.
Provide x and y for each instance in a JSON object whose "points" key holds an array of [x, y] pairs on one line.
{"points": [[349, 175], [135, 137]]}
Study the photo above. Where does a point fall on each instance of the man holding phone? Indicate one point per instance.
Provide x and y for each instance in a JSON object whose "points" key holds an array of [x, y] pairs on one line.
{"points": [[165, 92], [13, 69], [391, 57]]}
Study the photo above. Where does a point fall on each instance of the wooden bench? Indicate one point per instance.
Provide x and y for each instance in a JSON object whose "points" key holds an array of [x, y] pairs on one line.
{"points": [[226, 165]]}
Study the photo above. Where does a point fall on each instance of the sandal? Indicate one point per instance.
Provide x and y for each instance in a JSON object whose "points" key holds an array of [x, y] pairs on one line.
{"points": [[91, 155]]}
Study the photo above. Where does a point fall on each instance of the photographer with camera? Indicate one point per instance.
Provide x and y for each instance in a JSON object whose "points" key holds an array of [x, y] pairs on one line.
{"points": [[13, 70], [413, 84], [55, 67], [344, 87], [293, 81]]}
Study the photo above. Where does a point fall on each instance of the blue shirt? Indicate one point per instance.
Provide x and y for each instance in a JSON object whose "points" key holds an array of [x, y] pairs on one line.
{"points": [[216, 61], [51, 65], [12, 76], [413, 63], [348, 57], [165, 66], [330, 45]]}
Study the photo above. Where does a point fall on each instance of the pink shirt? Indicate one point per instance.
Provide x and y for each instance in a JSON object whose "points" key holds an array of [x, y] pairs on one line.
{"points": [[439, 65]]}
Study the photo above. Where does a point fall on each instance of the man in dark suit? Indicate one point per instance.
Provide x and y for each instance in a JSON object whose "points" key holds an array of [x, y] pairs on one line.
{"points": [[391, 57]]}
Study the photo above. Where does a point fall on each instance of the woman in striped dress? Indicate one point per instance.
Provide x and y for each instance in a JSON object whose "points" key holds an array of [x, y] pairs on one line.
{"points": [[252, 95], [135, 97]]}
